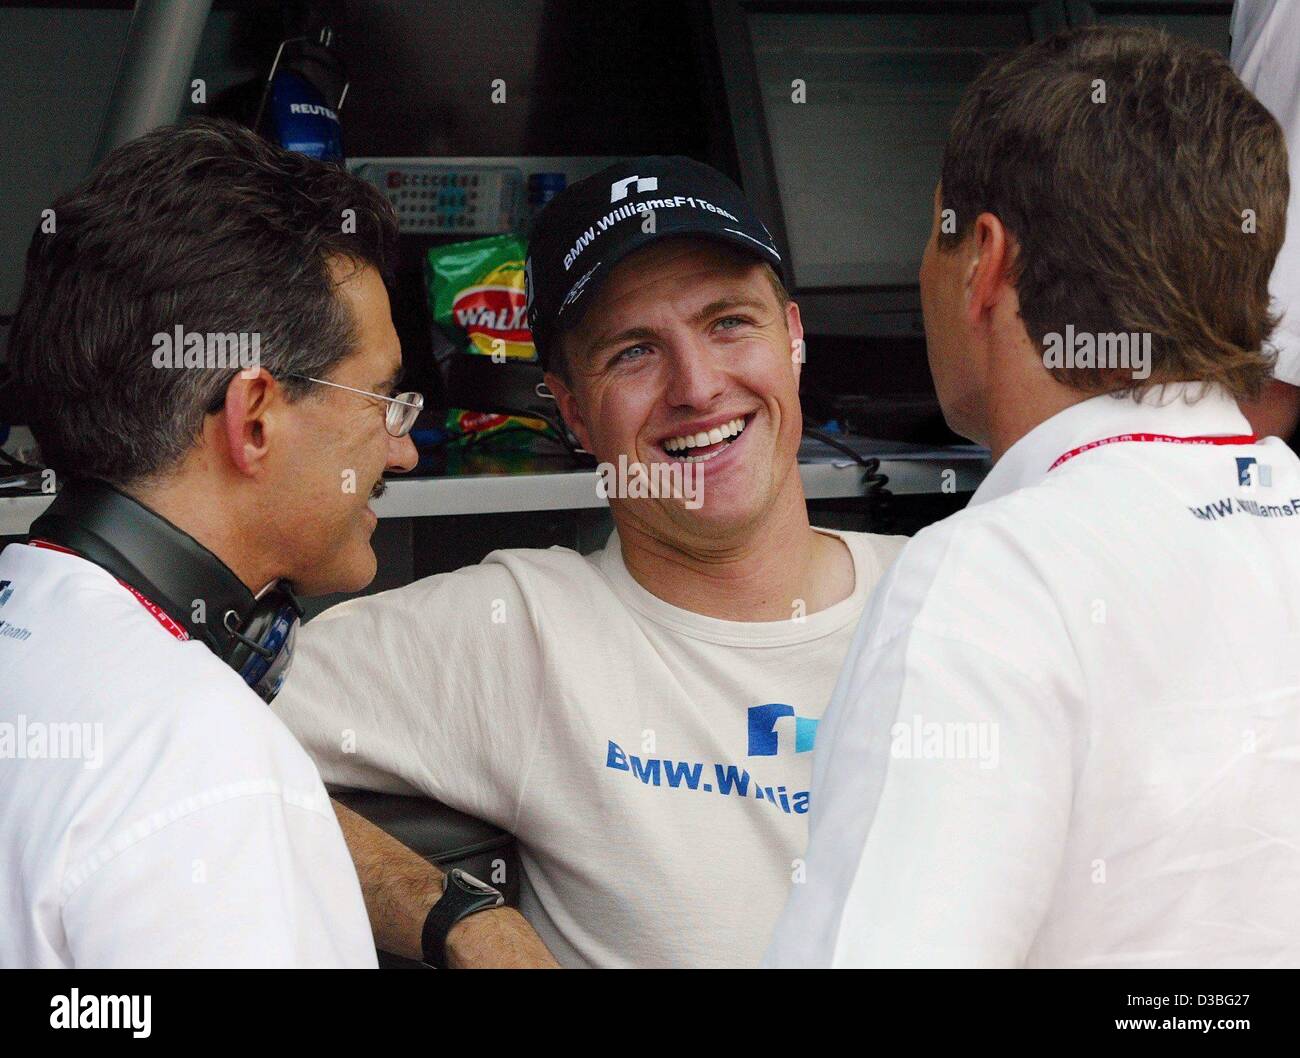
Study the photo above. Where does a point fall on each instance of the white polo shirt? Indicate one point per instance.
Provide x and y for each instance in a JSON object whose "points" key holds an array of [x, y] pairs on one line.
{"points": [[153, 811], [1068, 729], [1266, 56]]}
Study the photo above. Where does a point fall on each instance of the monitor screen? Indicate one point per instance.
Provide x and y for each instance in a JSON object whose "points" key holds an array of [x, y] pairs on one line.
{"points": [[856, 161], [1207, 26]]}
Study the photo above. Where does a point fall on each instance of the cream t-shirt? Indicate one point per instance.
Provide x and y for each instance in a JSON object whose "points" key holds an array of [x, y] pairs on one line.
{"points": [[653, 763]]}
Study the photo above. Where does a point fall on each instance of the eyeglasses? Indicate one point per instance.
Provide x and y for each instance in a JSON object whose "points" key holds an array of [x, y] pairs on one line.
{"points": [[402, 410]]}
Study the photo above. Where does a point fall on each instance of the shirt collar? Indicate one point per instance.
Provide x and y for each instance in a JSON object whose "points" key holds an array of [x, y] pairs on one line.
{"points": [[1181, 409], [747, 634]]}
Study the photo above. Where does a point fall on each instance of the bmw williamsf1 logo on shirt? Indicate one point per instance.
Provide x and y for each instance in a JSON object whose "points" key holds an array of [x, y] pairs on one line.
{"points": [[772, 730], [1251, 472], [9, 630], [1256, 479], [764, 738]]}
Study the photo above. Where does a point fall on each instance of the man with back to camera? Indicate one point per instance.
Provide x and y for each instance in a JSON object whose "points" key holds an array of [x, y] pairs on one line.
{"points": [[1067, 730], [639, 718], [157, 812]]}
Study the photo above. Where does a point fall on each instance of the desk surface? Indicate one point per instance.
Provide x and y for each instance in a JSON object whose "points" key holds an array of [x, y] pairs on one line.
{"points": [[488, 484]]}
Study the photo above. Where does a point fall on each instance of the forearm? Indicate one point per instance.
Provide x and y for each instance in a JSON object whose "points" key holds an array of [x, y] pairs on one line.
{"points": [[399, 886]]}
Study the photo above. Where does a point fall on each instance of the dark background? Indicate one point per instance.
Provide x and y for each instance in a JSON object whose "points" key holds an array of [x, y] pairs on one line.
{"points": [[621, 77]]}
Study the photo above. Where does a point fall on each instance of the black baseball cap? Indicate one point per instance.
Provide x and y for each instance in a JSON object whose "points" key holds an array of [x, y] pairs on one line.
{"points": [[589, 227]]}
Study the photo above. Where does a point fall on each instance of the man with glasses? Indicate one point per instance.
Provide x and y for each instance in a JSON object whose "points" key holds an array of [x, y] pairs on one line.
{"points": [[155, 812]]}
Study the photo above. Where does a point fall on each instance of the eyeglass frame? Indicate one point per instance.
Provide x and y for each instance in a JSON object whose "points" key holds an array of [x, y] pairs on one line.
{"points": [[409, 399]]}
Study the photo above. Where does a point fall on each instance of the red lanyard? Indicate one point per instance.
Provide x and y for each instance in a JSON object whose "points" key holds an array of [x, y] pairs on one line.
{"points": [[159, 614], [1240, 439]]}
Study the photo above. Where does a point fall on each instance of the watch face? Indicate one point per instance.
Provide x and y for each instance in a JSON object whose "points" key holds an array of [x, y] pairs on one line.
{"points": [[470, 884]]}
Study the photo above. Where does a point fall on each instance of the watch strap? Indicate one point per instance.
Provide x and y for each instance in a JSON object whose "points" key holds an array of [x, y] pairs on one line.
{"points": [[463, 895]]}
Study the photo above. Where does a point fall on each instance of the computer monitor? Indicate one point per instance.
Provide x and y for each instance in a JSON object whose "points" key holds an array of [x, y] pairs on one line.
{"points": [[840, 112], [1207, 22]]}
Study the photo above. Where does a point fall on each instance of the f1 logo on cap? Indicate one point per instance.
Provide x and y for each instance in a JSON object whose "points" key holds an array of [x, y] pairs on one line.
{"points": [[618, 189]]}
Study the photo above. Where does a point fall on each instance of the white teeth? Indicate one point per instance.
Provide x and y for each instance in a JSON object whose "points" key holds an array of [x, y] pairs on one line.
{"points": [[706, 437], [704, 458]]}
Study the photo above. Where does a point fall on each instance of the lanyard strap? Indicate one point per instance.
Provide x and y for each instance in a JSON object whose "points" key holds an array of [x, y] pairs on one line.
{"points": [[159, 615], [1162, 438]]}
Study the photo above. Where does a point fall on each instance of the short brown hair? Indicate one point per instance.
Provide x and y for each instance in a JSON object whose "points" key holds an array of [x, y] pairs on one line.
{"points": [[204, 226], [1124, 162]]}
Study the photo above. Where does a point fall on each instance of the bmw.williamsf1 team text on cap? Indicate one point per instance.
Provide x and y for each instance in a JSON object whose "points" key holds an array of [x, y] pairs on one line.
{"points": [[592, 225]]}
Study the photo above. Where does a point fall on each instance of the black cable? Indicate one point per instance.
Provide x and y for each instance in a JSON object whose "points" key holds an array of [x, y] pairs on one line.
{"points": [[17, 464], [878, 510], [484, 438], [554, 432]]}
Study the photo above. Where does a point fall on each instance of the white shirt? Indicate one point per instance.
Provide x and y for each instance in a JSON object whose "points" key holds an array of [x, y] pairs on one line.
{"points": [[652, 762], [1266, 56], [1068, 729], [153, 811]]}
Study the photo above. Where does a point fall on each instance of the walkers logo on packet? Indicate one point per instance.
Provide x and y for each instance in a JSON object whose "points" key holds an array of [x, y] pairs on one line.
{"points": [[477, 288]]}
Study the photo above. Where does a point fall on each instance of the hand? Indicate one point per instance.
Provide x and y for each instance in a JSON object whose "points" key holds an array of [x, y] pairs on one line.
{"points": [[499, 939]]}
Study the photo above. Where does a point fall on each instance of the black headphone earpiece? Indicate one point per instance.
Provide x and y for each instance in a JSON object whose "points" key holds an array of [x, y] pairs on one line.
{"points": [[304, 91], [253, 634]]}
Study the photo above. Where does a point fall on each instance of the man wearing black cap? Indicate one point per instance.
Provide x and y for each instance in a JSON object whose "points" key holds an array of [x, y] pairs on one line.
{"points": [[603, 220], [641, 718]]}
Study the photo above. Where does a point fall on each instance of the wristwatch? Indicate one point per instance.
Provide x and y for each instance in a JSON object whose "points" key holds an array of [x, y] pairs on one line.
{"points": [[462, 896]]}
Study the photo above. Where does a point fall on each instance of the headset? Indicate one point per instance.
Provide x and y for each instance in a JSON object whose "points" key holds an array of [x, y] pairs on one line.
{"points": [[304, 92], [515, 387], [253, 634]]}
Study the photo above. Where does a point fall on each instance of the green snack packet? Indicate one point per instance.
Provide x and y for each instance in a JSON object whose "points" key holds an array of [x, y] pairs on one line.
{"points": [[477, 288]]}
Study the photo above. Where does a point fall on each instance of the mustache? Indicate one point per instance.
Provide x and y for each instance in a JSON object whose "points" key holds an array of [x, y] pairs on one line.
{"points": [[380, 487]]}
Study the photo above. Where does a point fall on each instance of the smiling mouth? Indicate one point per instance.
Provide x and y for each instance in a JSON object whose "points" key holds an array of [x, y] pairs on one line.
{"points": [[703, 446]]}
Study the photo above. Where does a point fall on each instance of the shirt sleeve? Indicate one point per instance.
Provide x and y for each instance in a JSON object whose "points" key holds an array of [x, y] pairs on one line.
{"points": [[942, 783], [247, 881], [1266, 56], [432, 689]]}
